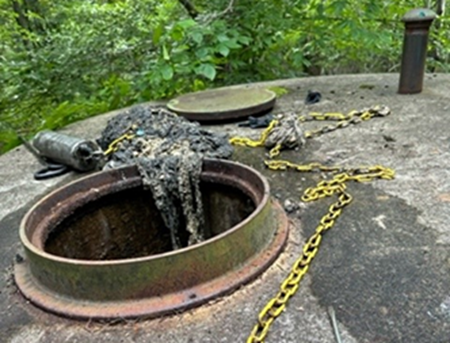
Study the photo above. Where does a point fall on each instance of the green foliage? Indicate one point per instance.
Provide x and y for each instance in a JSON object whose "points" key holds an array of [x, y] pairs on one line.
{"points": [[190, 56], [62, 61]]}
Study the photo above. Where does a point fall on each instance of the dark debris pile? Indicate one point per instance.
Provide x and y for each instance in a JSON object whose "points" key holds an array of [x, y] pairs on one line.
{"points": [[168, 151]]}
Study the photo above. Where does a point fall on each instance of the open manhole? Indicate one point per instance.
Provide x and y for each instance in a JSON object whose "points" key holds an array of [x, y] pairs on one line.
{"points": [[97, 248]]}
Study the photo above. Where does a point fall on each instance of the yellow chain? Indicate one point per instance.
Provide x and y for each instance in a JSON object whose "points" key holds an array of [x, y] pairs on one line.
{"points": [[243, 141], [344, 120], [323, 189], [326, 116], [337, 185], [114, 145]]}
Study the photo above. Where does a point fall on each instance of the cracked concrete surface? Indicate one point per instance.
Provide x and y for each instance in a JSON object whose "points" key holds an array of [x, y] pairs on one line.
{"points": [[384, 267]]}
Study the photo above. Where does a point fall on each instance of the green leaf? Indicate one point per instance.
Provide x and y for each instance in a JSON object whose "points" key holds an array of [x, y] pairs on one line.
{"points": [[157, 33], [186, 24], [244, 40], [223, 50], [232, 44], [166, 72], [197, 37], [177, 34], [165, 53], [207, 70], [202, 53], [221, 37], [198, 85]]}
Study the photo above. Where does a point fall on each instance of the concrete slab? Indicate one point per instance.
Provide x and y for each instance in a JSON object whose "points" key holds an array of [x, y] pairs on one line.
{"points": [[384, 267]]}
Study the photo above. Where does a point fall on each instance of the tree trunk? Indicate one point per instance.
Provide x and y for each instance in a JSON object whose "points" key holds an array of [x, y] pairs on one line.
{"points": [[21, 19], [190, 8], [440, 7]]}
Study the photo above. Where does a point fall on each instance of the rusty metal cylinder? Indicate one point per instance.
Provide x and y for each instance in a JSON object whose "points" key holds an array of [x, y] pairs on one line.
{"points": [[417, 25]]}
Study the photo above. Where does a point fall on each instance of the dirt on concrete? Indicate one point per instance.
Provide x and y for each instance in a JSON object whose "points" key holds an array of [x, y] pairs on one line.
{"points": [[384, 267]]}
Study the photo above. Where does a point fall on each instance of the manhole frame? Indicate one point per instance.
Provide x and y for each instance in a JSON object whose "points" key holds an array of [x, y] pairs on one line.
{"points": [[32, 288]]}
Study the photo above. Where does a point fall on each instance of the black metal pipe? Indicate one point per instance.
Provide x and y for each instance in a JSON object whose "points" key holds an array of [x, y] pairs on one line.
{"points": [[417, 26], [78, 153]]}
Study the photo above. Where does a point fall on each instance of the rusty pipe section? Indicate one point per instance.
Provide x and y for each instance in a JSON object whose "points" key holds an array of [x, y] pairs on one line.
{"points": [[151, 285], [417, 26]]}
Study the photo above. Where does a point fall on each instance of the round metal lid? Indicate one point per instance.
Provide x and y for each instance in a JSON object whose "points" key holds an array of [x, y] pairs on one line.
{"points": [[223, 104]]}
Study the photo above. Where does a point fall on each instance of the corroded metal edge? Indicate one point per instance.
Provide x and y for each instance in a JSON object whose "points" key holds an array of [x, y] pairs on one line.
{"points": [[155, 306], [146, 286]]}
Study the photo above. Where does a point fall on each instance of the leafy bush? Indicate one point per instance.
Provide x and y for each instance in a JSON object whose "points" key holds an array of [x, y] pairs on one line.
{"points": [[62, 61]]}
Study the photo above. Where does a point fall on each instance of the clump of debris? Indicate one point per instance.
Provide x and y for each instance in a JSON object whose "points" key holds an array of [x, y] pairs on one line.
{"points": [[288, 134], [168, 151]]}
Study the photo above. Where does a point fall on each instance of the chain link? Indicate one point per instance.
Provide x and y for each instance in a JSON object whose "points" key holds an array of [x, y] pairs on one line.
{"points": [[352, 118], [337, 185], [114, 145], [344, 120], [326, 188], [243, 141]]}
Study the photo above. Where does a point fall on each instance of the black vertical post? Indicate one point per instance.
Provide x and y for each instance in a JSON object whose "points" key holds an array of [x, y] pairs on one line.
{"points": [[417, 26]]}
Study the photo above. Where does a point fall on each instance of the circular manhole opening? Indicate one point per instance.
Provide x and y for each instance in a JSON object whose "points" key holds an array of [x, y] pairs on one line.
{"points": [[127, 224], [97, 248]]}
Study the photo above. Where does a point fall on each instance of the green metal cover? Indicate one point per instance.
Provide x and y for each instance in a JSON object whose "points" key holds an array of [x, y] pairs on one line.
{"points": [[223, 104]]}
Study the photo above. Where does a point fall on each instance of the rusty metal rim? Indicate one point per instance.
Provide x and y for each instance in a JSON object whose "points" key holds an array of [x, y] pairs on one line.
{"points": [[156, 306], [28, 244], [144, 287]]}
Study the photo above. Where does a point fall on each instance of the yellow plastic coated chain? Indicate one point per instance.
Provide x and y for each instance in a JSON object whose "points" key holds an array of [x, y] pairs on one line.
{"points": [[114, 145], [344, 120], [323, 189], [337, 185], [244, 141]]}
